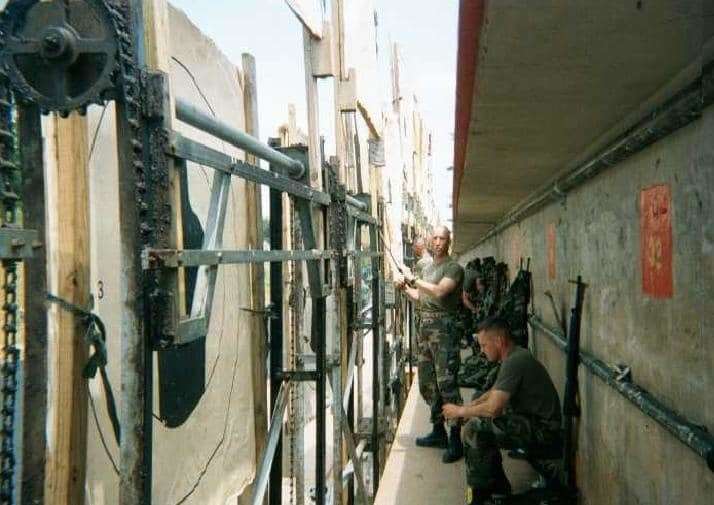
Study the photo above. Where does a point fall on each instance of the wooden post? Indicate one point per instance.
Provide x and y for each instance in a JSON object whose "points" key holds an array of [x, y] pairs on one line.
{"points": [[253, 213], [34, 437], [70, 204], [338, 30]]}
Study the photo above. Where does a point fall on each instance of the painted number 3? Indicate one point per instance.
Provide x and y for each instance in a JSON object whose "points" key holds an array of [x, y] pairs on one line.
{"points": [[100, 290]]}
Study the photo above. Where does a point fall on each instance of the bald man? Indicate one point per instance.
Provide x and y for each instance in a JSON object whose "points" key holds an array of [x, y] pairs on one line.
{"points": [[438, 292]]}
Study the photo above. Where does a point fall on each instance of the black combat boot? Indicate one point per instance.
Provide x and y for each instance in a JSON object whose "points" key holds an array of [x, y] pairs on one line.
{"points": [[478, 497], [455, 449], [437, 438], [503, 485]]}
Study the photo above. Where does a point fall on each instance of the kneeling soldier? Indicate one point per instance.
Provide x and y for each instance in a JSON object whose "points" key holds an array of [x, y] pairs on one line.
{"points": [[521, 410]]}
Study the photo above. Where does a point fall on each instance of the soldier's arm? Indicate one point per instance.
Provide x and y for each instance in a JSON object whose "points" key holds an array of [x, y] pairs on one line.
{"points": [[481, 398], [493, 406], [446, 285]]}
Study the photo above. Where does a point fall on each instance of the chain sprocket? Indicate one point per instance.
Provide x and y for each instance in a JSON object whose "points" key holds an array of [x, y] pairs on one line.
{"points": [[62, 55]]}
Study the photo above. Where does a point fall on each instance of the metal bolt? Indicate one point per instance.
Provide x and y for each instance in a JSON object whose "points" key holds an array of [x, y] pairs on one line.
{"points": [[52, 43]]}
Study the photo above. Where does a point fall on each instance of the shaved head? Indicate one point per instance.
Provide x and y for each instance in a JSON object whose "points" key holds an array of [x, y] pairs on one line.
{"points": [[441, 240]]}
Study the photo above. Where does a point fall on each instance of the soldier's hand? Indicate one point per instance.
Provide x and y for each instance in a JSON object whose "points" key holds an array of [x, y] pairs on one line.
{"points": [[408, 275], [451, 411], [399, 282]]}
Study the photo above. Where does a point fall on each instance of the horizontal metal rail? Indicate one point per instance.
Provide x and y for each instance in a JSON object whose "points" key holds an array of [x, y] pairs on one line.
{"points": [[361, 216], [188, 149], [276, 425], [354, 202], [364, 254], [694, 436], [193, 116], [174, 258]]}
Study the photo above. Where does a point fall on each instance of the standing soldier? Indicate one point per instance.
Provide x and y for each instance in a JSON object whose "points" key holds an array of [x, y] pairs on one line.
{"points": [[438, 292], [423, 260]]}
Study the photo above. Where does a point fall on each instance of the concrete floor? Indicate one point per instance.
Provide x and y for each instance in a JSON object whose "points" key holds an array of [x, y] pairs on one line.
{"points": [[416, 476]]}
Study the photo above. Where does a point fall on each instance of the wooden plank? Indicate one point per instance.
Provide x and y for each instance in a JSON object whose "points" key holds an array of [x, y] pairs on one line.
{"points": [[338, 34], [34, 430], [70, 204], [253, 216], [310, 19]]}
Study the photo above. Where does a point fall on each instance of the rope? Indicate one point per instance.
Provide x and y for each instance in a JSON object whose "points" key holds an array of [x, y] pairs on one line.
{"points": [[95, 336]]}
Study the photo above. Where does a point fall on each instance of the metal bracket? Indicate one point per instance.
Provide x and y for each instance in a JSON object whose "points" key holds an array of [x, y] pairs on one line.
{"points": [[16, 243], [155, 95]]}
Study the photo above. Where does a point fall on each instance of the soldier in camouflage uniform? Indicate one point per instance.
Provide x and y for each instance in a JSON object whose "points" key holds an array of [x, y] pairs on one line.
{"points": [[438, 292], [423, 259], [521, 410]]}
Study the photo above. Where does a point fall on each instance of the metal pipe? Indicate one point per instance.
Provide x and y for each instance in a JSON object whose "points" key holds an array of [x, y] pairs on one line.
{"points": [[693, 436], [354, 202], [193, 116], [266, 463]]}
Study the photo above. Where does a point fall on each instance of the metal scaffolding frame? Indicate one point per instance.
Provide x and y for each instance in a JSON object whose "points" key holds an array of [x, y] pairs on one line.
{"points": [[147, 143]]}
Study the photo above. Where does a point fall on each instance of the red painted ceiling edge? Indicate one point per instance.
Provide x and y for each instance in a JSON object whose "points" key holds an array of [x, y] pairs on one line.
{"points": [[471, 17]]}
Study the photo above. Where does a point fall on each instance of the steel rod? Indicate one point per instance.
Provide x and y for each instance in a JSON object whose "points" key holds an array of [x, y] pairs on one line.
{"points": [[354, 202], [174, 258], [193, 116], [318, 333], [693, 436], [276, 334], [188, 149], [267, 462]]}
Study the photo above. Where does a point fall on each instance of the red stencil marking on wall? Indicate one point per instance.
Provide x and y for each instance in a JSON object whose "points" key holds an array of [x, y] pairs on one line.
{"points": [[550, 245], [656, 241]]}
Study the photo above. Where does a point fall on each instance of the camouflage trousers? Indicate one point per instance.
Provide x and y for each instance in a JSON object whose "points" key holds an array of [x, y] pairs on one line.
{"points": [[484, 437], [438, 363]]}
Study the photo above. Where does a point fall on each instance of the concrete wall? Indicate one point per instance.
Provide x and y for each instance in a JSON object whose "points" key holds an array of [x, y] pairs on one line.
{"points": [[625, 457]]}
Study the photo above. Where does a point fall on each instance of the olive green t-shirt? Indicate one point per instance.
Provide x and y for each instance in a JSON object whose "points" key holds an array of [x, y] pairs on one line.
{"points": [[433, 273], [531, 390]]}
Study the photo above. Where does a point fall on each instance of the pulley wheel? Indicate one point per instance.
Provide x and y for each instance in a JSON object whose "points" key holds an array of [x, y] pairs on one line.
{"points": [[61, 55]]}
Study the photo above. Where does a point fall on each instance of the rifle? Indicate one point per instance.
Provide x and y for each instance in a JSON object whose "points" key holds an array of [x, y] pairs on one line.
{"points": [[571, 406]]}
